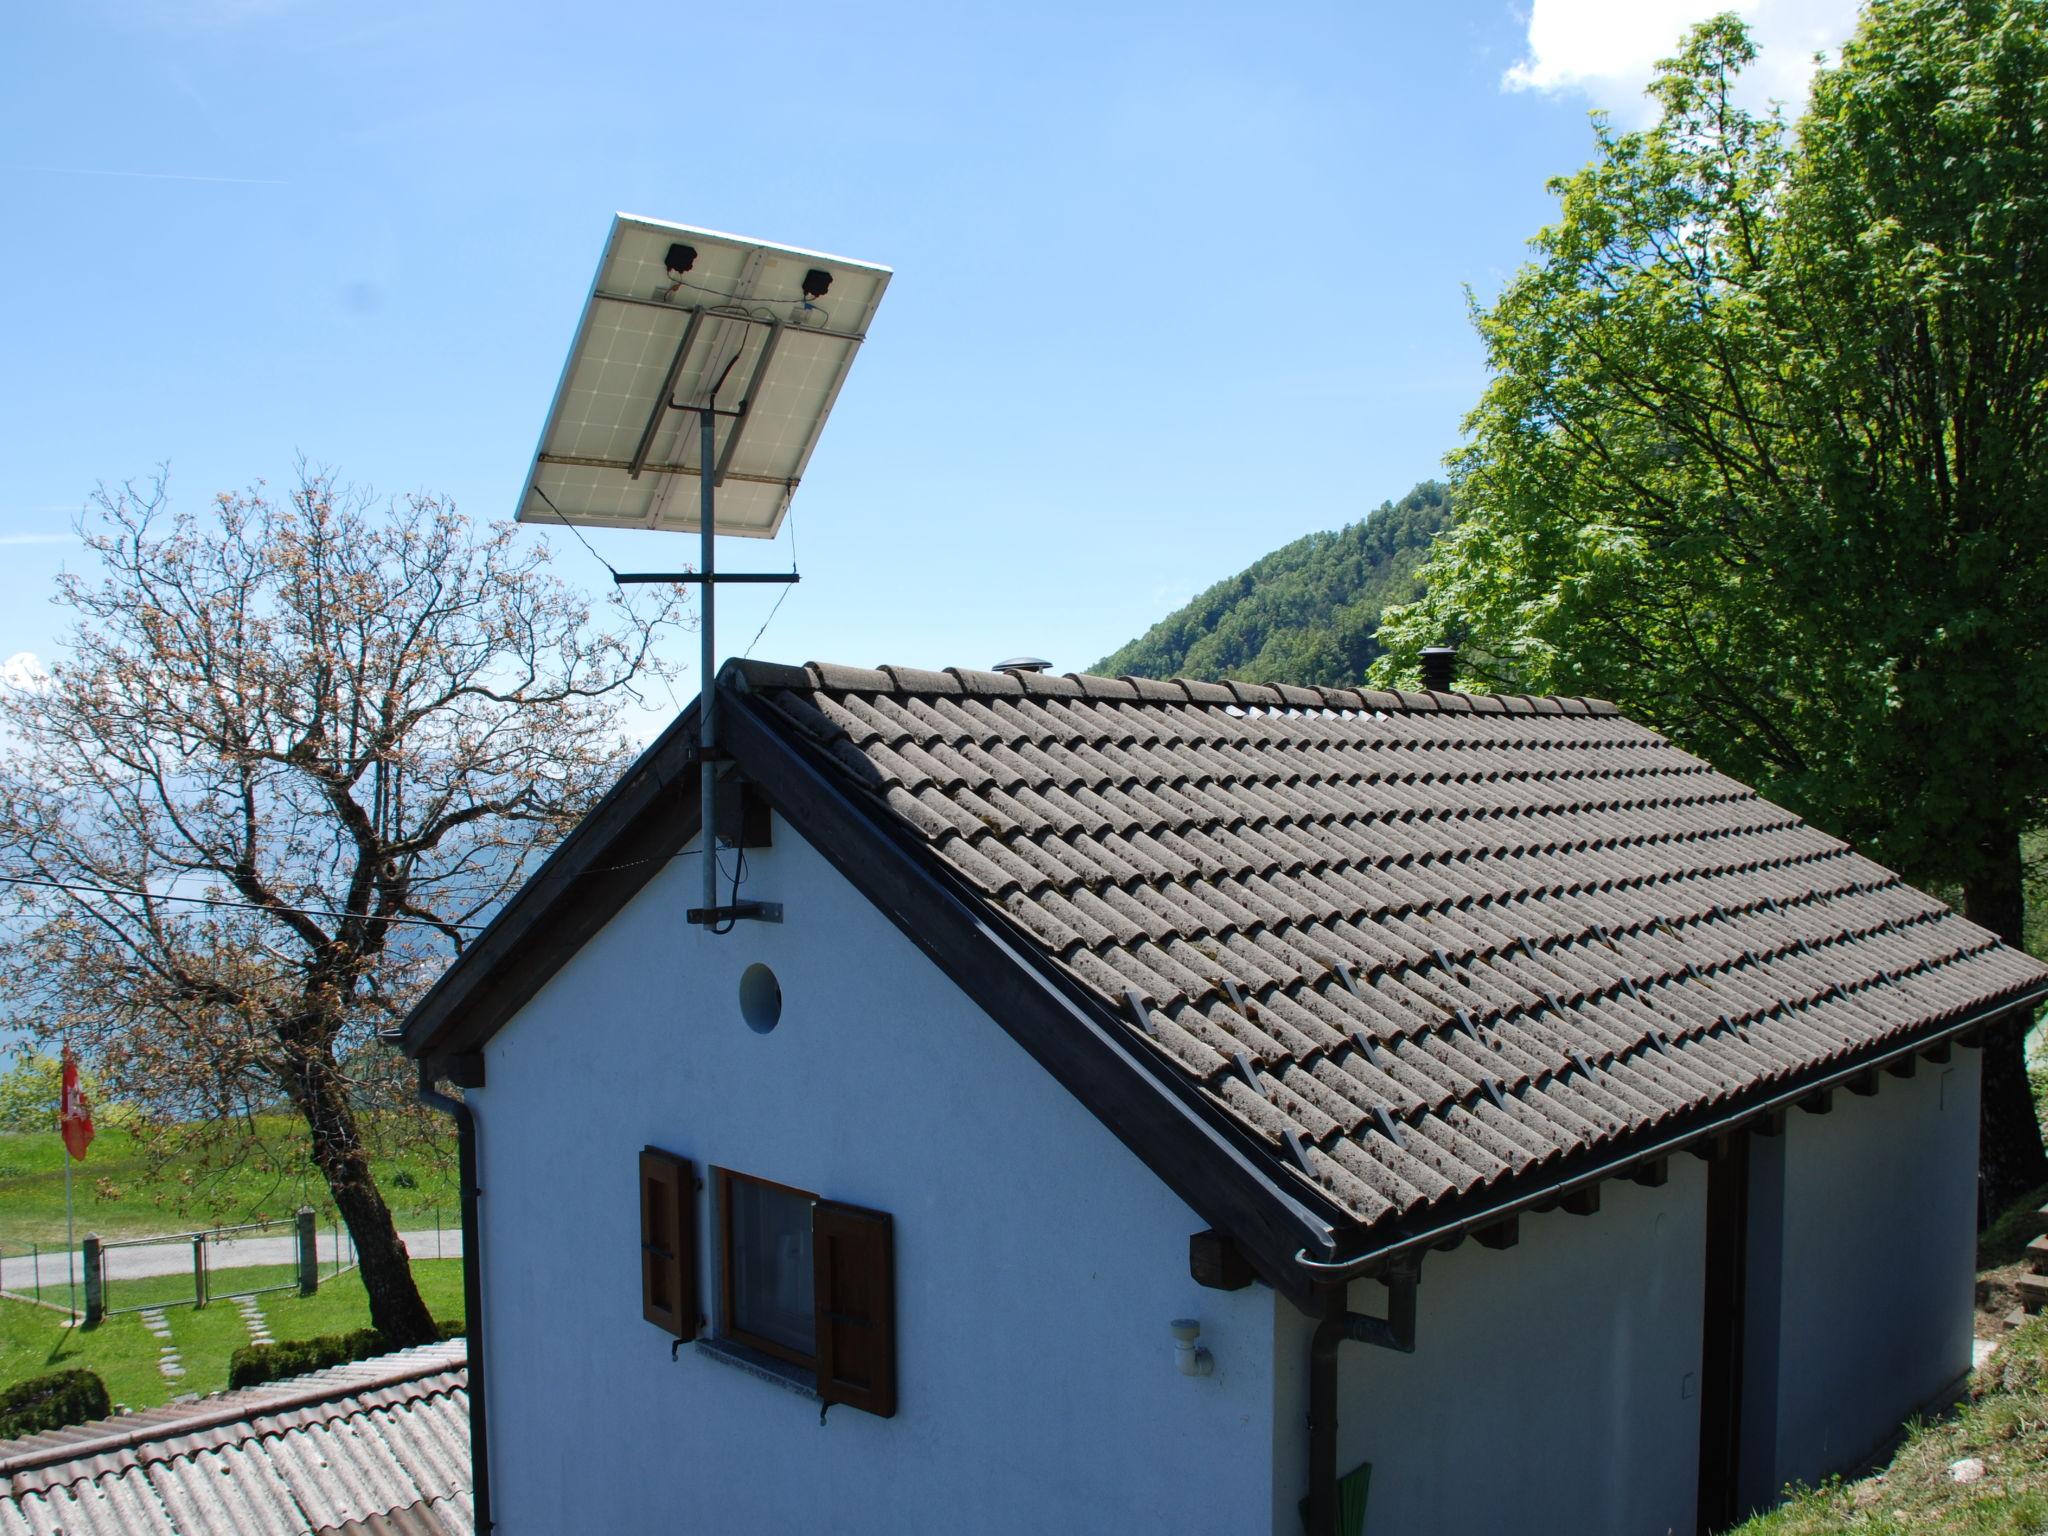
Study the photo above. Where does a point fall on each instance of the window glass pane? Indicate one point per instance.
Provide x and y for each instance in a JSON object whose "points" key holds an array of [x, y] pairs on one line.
{"points": [[771, 1265]]}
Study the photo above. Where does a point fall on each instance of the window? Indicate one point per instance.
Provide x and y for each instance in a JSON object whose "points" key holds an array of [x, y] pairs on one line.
{"points": [[811, 1283], [808, 1282], [765, 1273]]}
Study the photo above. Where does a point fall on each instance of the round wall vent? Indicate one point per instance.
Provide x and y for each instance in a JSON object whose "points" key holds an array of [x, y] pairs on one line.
{"points": [[760, 999]]}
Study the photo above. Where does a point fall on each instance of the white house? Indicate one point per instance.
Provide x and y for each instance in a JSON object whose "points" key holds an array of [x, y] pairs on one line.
{"points": [[1620, 1124]]}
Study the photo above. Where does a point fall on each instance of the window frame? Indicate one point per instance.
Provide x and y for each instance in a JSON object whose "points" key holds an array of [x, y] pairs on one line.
{"points": [[728, 1315]]}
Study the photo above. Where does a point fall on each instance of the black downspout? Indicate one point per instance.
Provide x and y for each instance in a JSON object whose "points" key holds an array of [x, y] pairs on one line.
{"points": [[1394, 1331], [1322, 1411], [472, 1294]]}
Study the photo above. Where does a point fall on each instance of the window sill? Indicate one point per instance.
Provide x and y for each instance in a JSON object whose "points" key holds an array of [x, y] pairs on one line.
{"points": [[799, 1379]]}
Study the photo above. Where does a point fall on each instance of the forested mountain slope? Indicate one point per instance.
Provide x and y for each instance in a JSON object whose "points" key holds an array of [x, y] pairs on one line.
{"points": [[1307, 613]]}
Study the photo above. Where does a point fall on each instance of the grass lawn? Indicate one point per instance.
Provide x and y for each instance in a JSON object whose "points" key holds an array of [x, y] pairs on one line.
{"points": [[117, 1196], [2005, 1426], [34, 1340]]}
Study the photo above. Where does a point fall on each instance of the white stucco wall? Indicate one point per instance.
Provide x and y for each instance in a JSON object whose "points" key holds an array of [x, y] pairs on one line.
{"points": [[1038, 1263], [1876, 1225], [1554, 1385]]}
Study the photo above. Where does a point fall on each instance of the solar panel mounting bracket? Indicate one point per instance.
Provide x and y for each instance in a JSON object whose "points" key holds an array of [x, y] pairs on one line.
{"points": [[757, 911], [665, 399], [696, 578]]}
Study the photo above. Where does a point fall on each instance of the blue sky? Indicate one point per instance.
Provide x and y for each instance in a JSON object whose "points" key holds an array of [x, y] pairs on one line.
{"points": [[1175, 283]]}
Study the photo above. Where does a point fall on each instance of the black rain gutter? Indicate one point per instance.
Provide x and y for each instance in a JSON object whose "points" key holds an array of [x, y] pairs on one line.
{"points": [[472, 1293], [1408, 1241], [1212, 1165]]}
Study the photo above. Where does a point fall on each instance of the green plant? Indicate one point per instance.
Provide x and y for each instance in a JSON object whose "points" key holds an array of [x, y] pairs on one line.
{"points": [[51, 1402], [254, 1364], [1760, 458]]}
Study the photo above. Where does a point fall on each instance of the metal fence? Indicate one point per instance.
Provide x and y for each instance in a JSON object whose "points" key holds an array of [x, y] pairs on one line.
{"points": [[152, 1283], [49, 1278]]}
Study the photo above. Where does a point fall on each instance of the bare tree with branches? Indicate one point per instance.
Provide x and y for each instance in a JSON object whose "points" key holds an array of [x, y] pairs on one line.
{"points": [[300, 749]]}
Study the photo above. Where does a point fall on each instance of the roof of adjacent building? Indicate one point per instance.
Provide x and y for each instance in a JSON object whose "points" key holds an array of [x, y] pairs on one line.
{"points": [[1405, 953], [379, 1447]]}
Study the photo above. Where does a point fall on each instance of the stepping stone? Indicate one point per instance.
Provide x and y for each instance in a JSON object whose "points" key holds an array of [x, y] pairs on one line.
{"points": [[253, 1320]]}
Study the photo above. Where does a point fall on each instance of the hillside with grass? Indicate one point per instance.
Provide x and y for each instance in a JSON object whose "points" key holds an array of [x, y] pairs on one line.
{"points": [[1983, 1472], [125, 1188], [1307, 613]]}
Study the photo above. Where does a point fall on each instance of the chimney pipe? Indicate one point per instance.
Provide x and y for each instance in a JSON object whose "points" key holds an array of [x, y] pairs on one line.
{"points": [[1439, 666]]}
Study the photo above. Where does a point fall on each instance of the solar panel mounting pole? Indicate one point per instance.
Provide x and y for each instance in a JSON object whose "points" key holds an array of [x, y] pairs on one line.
{"points": [[716, 919], [707, 620]]}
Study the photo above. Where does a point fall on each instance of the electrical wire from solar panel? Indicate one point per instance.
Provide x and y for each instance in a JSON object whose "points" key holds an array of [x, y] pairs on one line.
{"points": [[646, 628], [739, 873]]}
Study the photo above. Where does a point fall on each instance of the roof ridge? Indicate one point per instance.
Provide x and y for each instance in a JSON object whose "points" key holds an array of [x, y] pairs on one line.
{"points": [[131, 1432], [824, 676]]}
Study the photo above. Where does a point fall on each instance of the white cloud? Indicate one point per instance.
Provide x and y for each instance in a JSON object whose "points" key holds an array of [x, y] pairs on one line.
{"points": [[17, 540], [1606, 50], [23, 671]]}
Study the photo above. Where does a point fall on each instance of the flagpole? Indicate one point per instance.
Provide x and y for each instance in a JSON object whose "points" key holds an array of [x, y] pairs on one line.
{"points": [[70, 1239]]}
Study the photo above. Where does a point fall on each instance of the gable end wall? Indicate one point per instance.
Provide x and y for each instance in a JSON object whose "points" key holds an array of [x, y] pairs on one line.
{"points": [[1038, 1263]]}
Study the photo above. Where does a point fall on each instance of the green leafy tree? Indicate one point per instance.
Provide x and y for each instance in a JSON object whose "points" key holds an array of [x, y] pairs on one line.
{"points": [[1765, 455], [29, 1091]]}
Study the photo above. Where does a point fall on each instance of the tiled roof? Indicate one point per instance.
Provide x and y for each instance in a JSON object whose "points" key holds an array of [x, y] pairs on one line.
{"points": [[1416, 944], [378, 1446]]}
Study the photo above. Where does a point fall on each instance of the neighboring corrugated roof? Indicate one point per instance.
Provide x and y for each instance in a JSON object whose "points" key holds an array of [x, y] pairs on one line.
{"points": [[1416, 944], [379, 1446]]}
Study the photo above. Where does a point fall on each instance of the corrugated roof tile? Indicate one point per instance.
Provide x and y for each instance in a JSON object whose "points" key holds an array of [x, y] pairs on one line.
{"points": [[341, 1449]]}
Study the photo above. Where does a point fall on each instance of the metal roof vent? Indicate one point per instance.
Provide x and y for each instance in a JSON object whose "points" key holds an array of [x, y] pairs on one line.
{"points": [[1020, 664], [1439, 666]]}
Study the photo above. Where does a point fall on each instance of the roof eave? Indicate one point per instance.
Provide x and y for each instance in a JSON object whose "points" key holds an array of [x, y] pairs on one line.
{"points": [[1368, 1249]]}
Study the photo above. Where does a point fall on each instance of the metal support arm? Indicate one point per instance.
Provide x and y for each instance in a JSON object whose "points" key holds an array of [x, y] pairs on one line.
{"points": [[696, 578]]}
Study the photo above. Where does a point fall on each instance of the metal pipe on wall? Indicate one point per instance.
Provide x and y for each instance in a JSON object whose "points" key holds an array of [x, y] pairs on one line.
{"points": [[707, 661], [472, 1293], [1394, 1331]]}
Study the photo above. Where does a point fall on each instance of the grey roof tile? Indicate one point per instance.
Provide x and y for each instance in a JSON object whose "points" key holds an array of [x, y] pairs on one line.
{"points": [[1550, 926]]}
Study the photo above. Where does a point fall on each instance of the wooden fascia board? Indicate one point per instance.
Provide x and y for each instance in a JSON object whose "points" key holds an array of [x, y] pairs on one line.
{"points": [[1213, 1167], [604, 862]]}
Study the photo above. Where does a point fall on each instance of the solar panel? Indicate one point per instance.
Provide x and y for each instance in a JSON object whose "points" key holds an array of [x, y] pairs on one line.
{"points": [[677, 317]]}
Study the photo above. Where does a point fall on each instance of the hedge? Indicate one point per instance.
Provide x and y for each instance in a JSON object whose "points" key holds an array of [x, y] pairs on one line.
{"points": [[254, 1364], [51, 1402]]}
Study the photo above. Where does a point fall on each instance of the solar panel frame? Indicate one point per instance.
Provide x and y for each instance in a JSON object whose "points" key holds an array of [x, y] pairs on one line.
{"points": [[626, 347]]}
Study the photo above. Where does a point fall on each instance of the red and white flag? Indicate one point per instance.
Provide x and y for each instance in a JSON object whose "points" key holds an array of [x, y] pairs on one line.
{"points": [[74, 1118]]}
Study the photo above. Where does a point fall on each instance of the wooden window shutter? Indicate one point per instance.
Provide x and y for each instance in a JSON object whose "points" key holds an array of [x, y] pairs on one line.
{"points": [[668, 1242], [853, 1261]]}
